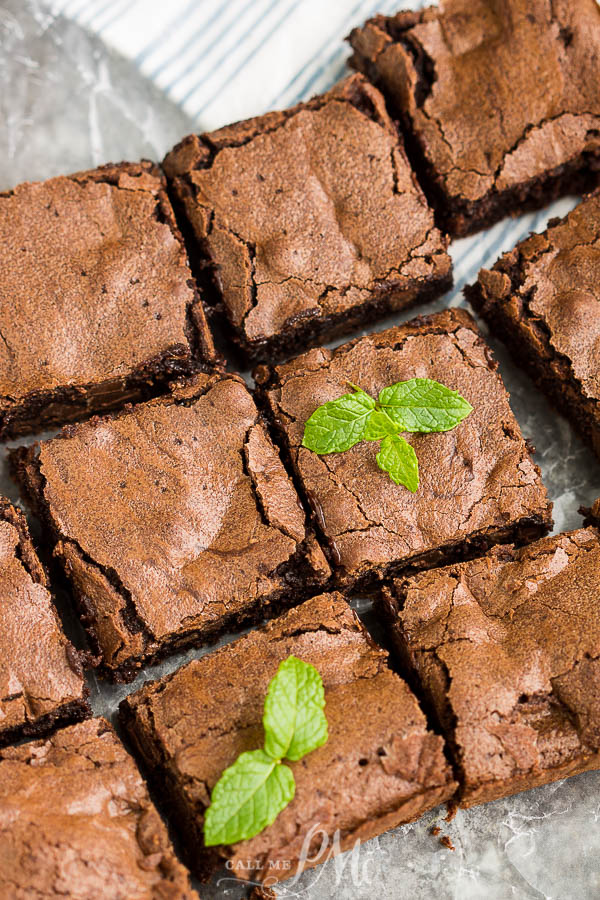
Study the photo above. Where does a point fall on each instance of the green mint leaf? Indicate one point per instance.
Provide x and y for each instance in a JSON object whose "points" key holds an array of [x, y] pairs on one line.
{"points": [[399, 460], [294, 720], [338, 424], [424, 405], [251, 793], [378, 425], [247, 798]]}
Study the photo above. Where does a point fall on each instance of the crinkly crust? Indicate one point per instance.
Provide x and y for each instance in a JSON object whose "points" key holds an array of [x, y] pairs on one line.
{"points": [[76, 820], [455, 73], [507, 648], [311, 217], [379, 767], [478, 486], [543, 298]]}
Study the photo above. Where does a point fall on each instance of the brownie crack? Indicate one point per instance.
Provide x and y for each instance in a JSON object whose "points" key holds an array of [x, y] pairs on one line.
{"points": [[427, 76], [518, 270], [214, 148], [251, 476], [10, 352]]}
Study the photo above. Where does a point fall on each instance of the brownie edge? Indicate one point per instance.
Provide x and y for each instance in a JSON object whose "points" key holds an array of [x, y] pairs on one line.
{"points": [[451, 72], [41, 676], [98, 305], [542, 298]]}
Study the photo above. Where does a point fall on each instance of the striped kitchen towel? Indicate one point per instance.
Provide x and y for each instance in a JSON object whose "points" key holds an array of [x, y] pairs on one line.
{"points": [[224, 60]]}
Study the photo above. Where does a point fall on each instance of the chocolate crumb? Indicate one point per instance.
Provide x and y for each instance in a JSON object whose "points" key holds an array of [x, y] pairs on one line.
{"points": [[262, 893], [452, 808]]}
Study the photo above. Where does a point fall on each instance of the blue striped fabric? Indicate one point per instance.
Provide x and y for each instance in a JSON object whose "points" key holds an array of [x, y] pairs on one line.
{"points": [[224, 60]]}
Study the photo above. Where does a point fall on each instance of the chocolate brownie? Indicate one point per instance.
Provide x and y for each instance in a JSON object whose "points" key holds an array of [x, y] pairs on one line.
{"points": [[543, 299], [507, 649], [479, 485], [174, 520], [76, 820], [311, 218], [380, 766], [592, 514], [97, 303], [41, 678], [500, 101]]}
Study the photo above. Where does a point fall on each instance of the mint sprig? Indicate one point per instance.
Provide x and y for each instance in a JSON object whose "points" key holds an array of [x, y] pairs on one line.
{"points": [[339, 424], [247, 798], [251, 793], [294, 720], [424, 405], [399, 460], [419, 405]]}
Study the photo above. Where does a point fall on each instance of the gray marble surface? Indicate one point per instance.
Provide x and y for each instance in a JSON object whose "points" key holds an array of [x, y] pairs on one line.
{"points": [[66, 103]]}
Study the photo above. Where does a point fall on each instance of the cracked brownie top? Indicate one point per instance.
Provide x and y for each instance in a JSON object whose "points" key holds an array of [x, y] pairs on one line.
{"points": [[496, 93], [76, 820], [94, 282], [543, 299], [380, 765], [304, 213], [548, 289], [508, 648], [40, 672], [175, 517], [477, 481]]}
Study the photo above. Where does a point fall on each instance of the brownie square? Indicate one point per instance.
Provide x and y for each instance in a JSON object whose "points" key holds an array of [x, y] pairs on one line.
{"points": [[500, 101], [543, 299], [381, 765], [479, 485], [174, 520], [41, 678], [311, 219], [76, 820], [507, 648], [97, 302]]}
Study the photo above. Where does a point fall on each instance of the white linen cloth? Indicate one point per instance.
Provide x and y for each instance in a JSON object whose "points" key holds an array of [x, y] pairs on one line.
{"points": [[225, 60]]}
